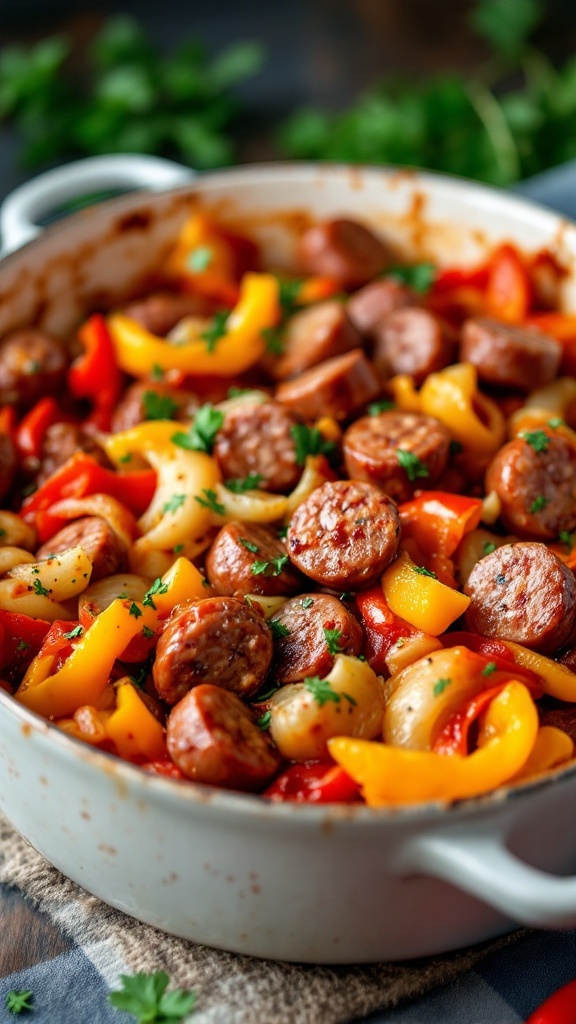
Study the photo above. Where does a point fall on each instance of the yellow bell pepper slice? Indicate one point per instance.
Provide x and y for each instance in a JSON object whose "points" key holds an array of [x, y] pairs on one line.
{"points": [[452, 396], [393, 775], [184, 582], [84, 676], [132, 727], [557, 679], [552, 747], [420, 599], [138, 350]]}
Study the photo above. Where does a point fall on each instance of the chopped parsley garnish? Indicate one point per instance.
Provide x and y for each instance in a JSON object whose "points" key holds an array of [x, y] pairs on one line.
{"points": [[538, 440], [39, 589], [375, 408], [346, 595], [174, 503], [322, 691], [18, 1001], [177, 549], [419, 277], [556, 422], [278, 629], [248, 545], [263, 722], [539, 503], [489, 668], [423, 571], [249, 483], [145, 997], [77, 631], [488, 547], [158, 407], [2, 533], [140, 680], [158, 587], [23, 646], [201, 436], [125, 458], [157, 373], [281, 532], [412, 464], [456, 447], [288, 293], [440, 685], [216, 330], [135, 610], [200, 259], [333, 638], [309, 441], [274, 340], [566, 538], [307, 602], [234, 392], [272, 568], [211, 502], [147, 632], [261, 698]]}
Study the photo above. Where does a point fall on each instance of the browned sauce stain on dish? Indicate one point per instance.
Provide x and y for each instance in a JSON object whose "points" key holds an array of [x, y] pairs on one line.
{"points": [[85, 815], [255, 889], [26, 729], [42, 780], [134, 222], [106, 848]]}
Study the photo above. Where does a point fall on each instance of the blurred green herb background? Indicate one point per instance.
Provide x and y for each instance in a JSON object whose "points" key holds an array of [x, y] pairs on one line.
{"points": [[508, 119]]}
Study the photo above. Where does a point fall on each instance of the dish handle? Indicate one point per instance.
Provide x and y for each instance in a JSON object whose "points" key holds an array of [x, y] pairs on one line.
{"points": [[483, 867], [28, 204]]}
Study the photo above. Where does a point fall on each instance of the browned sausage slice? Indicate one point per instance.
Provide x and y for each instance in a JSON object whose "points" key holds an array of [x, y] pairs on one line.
{"points": [[413, 341], [61, 441], [32, 365], [213, 738], [8, 464], [153, 400], [100, 542], [337, 387], [161, 311], [343, 249], [246, 558], [345, 534], [311, 336], [369, 306], [220, 640], [536, 485], [257, 439], [512, 357], [301, 648], [399, 451], [525, 593]]}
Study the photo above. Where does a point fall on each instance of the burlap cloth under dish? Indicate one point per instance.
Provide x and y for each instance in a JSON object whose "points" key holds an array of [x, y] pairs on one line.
{"points": [[231, 989]]}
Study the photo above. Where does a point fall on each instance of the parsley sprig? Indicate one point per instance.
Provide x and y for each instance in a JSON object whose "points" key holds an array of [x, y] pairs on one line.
{"points": [[333, 638], [273, 567], [158, 587], [158, 407], [210, 501], [145, 996], [18, 1001], [310, 441], [321, 690], [216, 330], [413, 466], [201, 436], [419, 276], [248, 483]]}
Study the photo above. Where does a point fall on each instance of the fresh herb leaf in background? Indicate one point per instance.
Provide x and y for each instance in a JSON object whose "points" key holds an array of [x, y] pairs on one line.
{"points": [[18, 1001], [145, 996], [130, 97]]}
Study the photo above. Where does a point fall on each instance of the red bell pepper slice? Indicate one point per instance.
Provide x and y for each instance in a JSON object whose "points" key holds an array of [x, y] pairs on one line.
{"points": [[382, 629], [57, 644], [461, 277], [21, 638], [30, 432], [82, 475], [509, 291], [495, 650], [453, 739], [314, 784], [438, 520], [8, 420], [559, 1008], [95, 374]]}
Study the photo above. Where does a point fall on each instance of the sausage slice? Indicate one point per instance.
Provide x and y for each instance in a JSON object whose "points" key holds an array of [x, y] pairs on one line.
{"points": [[213, 738], [60, 442], [337, 388], [525, 593], [312, 335], [8, 464], [303, 650], [153, 400], [258, 439], [373, 303], [345, 534], [344, 249], [513, 357], [535, 478], [413, 341], [100, 542], [399, 451], [161, 311], [219, 640], [234, 564], [32, 365]]}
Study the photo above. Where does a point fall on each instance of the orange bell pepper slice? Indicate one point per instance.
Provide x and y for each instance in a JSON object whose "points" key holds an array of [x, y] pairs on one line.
{"points": [[438, 520]]}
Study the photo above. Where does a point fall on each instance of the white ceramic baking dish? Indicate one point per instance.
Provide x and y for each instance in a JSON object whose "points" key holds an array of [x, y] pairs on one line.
{"points": [[336, 884]]}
